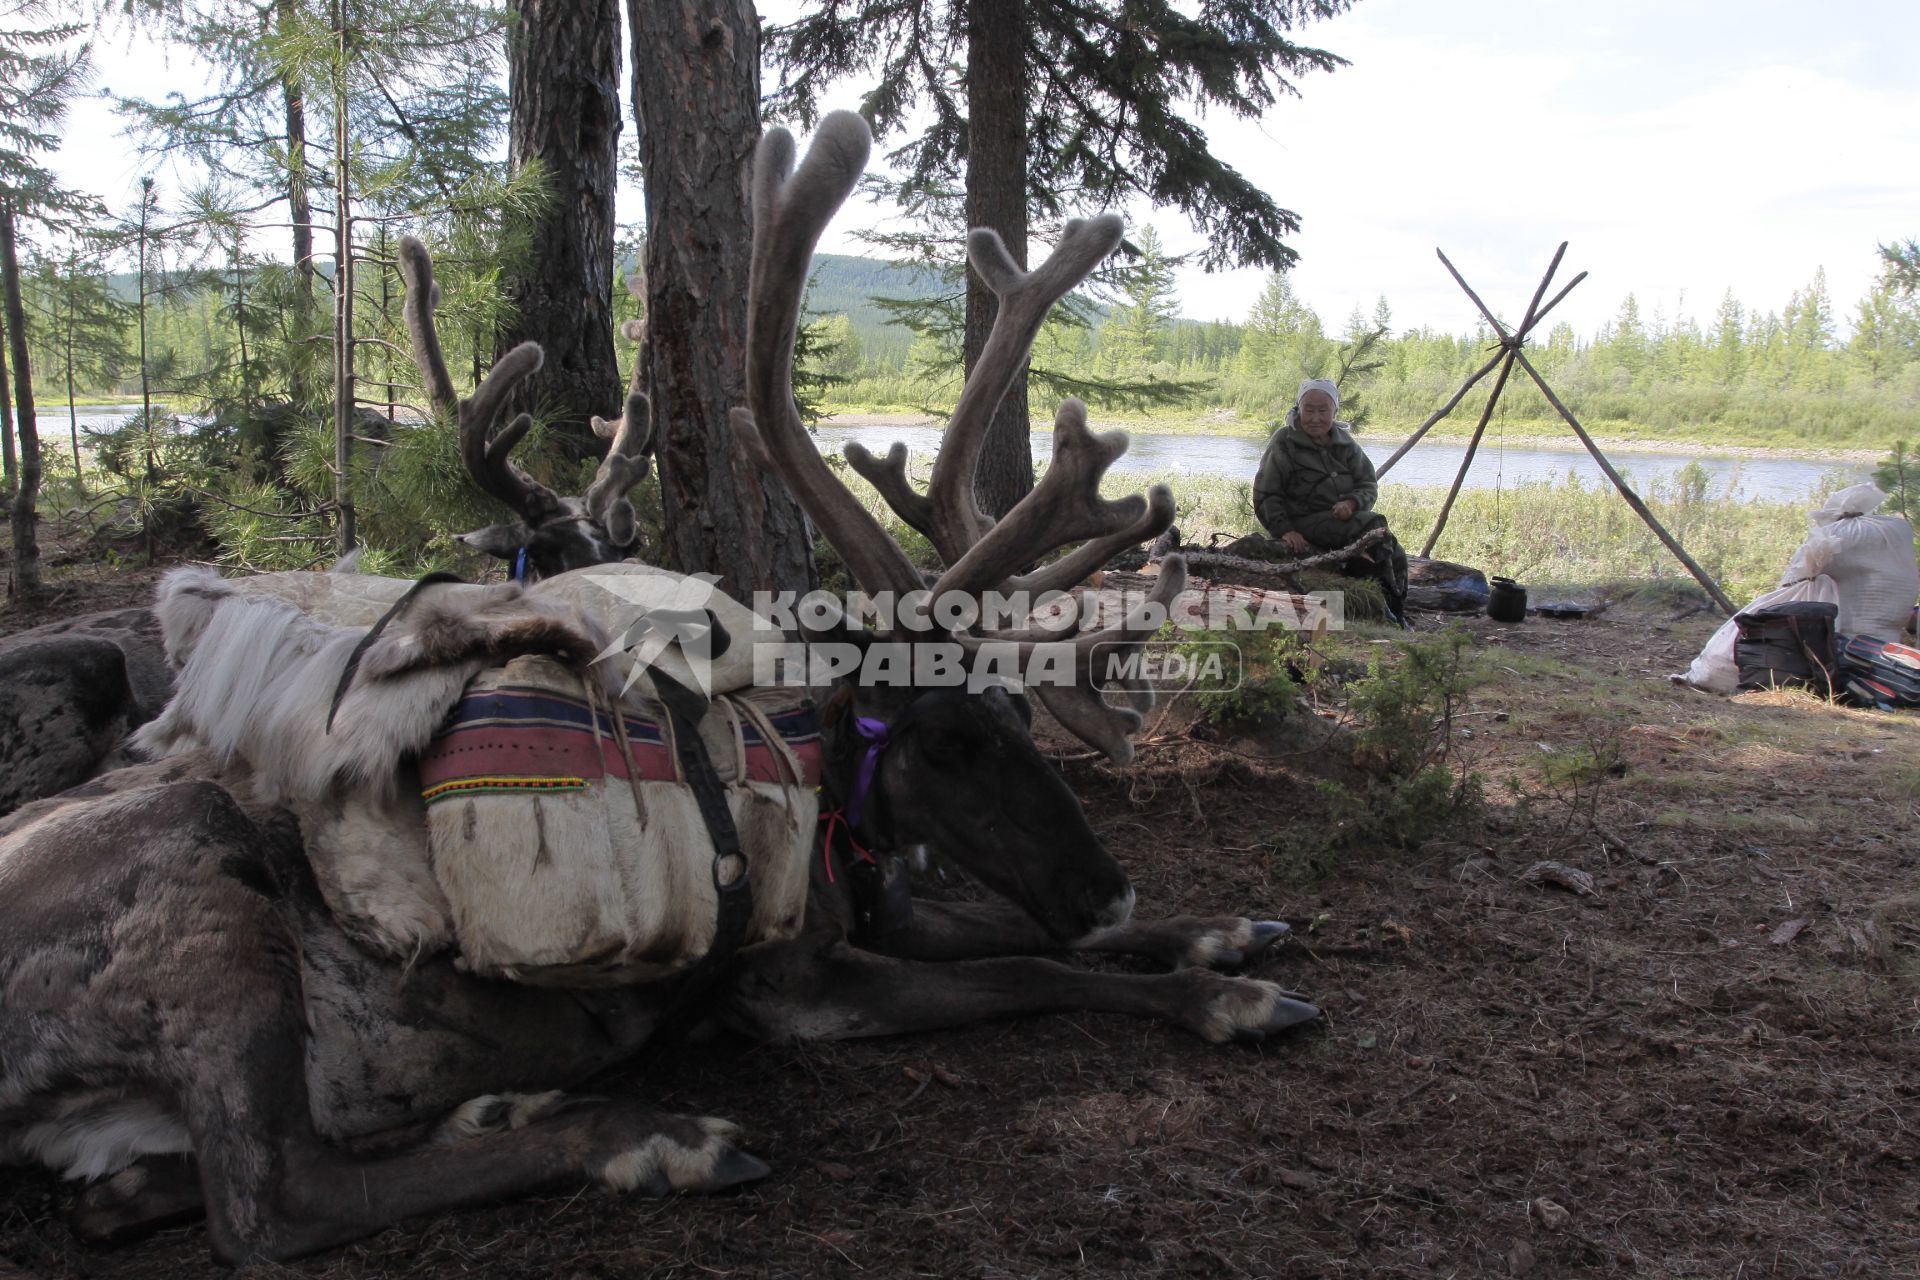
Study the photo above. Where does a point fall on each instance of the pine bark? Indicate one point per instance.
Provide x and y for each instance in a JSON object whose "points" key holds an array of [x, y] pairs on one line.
{"points": [[299, 213], [564, 73], [346, 531], [696, 89], [6, 417], [26, 542], [299, 206], [997, 198]]}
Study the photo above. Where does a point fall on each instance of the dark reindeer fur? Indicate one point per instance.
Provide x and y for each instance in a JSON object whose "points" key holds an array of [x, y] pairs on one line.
{"points": [[70, 693]]}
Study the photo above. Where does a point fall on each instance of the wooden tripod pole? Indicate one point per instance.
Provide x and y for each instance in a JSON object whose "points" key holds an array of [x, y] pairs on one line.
{"points": [[1443, 411], [1512, 345], [1482, 372], [1480, 429], [1633, 499]]}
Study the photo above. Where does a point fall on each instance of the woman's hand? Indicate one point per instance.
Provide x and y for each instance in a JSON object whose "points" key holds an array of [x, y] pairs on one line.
{"points": [[1344, 509], [1296, 542]]}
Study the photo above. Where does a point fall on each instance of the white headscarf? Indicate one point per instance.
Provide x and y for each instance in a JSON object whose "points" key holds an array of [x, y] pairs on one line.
{"points": [[1319, 384]]}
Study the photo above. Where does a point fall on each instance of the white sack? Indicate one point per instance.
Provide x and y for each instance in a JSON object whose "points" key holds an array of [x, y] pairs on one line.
{"points": [[1860, 562], [1870, 559]]}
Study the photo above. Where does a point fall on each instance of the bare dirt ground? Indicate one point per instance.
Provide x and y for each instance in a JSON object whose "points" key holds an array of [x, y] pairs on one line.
{"points": [[1706, 1067]]}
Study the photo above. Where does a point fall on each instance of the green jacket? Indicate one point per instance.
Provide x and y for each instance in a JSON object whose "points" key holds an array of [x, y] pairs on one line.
{"points": [[1298, 481]]}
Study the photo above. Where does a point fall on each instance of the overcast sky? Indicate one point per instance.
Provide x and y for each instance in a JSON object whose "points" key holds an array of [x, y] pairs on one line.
{"points": [[1684, 147]]}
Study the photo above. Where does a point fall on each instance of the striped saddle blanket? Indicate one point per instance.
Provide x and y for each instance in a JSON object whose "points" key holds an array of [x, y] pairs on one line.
{"points": [[570, 850], [518, 739]]}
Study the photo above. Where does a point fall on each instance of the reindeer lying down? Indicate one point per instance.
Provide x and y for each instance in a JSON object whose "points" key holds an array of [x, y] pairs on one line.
{"points": [[187, 1026]]}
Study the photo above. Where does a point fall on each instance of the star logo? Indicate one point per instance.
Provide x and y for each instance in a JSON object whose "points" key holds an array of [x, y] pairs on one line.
{"points": [[674, 613]]}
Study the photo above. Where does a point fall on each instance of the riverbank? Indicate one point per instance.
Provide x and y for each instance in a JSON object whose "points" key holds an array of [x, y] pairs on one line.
{"points": [[1611, 435], [1568, 533]]}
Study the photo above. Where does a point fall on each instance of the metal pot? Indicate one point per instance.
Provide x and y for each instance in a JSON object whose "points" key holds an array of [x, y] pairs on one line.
{"points": [[1507, 601]]}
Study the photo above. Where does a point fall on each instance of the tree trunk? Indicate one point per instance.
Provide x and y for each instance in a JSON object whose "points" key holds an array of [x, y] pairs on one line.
{"points": [[300, 214], [997, 198], [563, 58], [73, 401], [6, 414], [344, 531], [299, 206], [696, 79], [146, 384], [26, 544]]}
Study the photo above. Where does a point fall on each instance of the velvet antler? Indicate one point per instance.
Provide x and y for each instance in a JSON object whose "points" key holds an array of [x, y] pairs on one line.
{"points": [[791, 209], [483, 453]]}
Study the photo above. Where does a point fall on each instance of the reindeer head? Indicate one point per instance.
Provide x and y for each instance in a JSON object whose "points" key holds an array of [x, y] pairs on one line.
{"points": [[954, 769], [553, 533]]}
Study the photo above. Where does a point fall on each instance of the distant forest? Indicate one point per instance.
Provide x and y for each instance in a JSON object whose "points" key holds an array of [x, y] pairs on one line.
{"points": [[1758, 374], [1778, 374]]}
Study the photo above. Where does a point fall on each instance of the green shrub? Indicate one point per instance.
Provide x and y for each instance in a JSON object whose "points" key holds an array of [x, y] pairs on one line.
{"points": [[1275, 667], [1403, 713]]}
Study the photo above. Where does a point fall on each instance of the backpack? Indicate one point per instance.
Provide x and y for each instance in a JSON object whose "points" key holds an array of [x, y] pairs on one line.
{"points": [[1788, 646]]}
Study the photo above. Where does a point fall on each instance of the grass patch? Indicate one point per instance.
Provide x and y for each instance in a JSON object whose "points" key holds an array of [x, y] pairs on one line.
{"points": [[1567, 533]]}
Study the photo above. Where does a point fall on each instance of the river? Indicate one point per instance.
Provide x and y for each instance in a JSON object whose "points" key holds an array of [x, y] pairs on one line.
{"points": [[1430, 463]]}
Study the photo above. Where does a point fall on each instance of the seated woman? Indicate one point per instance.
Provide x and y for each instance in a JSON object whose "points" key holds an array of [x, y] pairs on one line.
{"points": [[1315, 492]]}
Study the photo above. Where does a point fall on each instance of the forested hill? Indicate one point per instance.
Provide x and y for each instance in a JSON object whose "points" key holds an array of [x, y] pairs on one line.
{"points": [[1750, 375], [846, 285]]}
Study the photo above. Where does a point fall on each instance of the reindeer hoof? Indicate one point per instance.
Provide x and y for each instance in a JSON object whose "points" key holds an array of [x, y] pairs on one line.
{"points": [[1250, 1010], [142, 1198], [1265, 934], [1238, 944], [685, 1154], [492, 1113], [1285, 1012]]}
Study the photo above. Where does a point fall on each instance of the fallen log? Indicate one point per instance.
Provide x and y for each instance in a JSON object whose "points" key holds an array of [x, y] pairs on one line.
{"points": [[1441, 586]]}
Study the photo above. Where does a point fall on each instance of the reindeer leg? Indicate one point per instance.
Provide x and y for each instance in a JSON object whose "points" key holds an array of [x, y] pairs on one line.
{"points": [[284, 1193], [974, 930], [816, 988], [190, 993], [275, 1189], [147, 1196], [158, 1192]]}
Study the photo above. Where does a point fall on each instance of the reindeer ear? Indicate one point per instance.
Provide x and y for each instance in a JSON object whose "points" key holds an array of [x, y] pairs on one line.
{"points": [[1009, 702], [620, 524], [501, 540]]}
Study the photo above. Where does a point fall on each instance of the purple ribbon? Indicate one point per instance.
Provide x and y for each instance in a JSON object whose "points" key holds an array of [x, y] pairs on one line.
{"points": [[875, 734]]}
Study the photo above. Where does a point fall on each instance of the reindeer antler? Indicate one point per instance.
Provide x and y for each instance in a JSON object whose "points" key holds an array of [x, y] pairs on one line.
{"points": [[486, 459], [791, 209], [627, 460]]}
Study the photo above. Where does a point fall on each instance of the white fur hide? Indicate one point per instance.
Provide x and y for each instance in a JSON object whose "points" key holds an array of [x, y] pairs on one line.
{"points": [[256, 678], [579, 888]]}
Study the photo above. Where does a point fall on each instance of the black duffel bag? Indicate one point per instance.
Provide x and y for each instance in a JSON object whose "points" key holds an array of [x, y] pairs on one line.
{"points": [[1788, 646]]}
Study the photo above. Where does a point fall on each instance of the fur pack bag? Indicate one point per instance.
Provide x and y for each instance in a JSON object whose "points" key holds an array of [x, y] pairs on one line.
{"points": [[538, 851], [570, 850]]}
